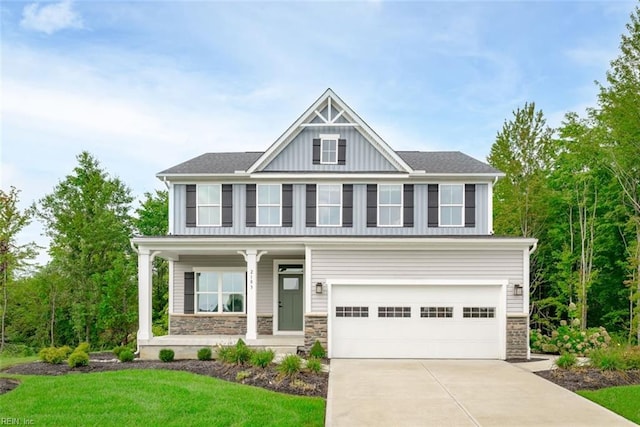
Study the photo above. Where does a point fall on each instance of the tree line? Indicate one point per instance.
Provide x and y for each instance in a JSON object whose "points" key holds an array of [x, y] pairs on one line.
{"points": [[575, 188]]}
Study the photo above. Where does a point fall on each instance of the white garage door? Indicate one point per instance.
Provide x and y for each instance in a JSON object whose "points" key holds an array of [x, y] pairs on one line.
{"points": [[398, 321]]}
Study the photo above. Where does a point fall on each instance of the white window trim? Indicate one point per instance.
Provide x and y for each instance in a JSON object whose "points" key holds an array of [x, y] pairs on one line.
{"points": [[441, 205], [220, 270], [328, 137], [258, 205], [331, 205], [391, 205], [210, 205]]}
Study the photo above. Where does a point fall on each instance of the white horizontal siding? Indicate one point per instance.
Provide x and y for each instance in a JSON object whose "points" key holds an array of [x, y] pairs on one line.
{"points": [[417, 265], [359, 217], [264, 280]]}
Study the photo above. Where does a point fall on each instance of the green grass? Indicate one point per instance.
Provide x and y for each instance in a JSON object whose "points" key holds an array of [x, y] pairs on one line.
{"points": [[621, 400], [9, 361], [154, 397]]}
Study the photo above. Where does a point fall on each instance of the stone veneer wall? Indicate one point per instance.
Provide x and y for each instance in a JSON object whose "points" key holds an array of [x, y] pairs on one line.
{"points": [[517, 337], [208, 325], [315, 328], [265, 325]]}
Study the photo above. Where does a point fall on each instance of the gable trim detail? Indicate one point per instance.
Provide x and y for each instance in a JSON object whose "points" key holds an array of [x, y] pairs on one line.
{"points": [[330, 97]]}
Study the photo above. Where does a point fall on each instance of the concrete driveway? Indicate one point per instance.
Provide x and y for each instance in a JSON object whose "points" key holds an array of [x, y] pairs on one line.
{"points": [[453, 393]]}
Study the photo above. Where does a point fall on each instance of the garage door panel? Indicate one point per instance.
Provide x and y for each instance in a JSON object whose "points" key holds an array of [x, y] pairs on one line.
{"points": [[416, 336]]}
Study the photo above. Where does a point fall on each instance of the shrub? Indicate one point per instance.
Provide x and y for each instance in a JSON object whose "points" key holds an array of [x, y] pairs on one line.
{"points": [[567, 360], [262, 358], [314, 365], [290, 365], [65, 350], [52, 355], [317, 350], [166, 355], [84, 347], [569, 339], [611, 359], [78, 358], [242, 375], [126, 355], [204, 353], [225, 353], [119, 349], [632, 357]]}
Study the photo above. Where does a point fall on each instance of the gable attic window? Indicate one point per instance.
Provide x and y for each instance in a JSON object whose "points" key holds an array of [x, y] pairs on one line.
{"points": [[269, 205], [329, 149], [451, 205], [209, 205]]}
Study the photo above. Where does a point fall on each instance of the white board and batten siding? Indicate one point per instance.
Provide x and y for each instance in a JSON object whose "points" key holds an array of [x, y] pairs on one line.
{"points": [[359, 228], [264, 281], [428, 265]]}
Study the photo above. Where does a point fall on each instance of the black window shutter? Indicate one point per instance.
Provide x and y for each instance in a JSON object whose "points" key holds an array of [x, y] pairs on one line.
{"points": [[469, 205], [342, 151], [311, 205], [408, 205], [372, 205], [251, 205], [316, 151], [189, 286], [191, 205], [347, 205], [287, 205], [227, 205], [432, 217]]}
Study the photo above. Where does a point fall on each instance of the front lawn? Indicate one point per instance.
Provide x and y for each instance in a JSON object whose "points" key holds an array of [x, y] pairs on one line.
{"points": [[622, 400], [154, 397]]}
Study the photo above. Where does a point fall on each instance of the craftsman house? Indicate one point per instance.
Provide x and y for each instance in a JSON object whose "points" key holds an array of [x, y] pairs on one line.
{"points": [[332, 235]]}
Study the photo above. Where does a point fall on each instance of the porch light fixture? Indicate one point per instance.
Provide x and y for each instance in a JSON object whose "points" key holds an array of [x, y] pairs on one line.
{"points": [[318, 287], [517, 290]]}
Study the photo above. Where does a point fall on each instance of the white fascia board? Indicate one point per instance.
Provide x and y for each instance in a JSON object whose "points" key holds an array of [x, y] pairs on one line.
{"points": [[171, 245]]}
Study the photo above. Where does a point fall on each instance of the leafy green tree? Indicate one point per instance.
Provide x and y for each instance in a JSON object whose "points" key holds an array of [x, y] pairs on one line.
{"points": [[13, 256], [87, 218], [619, 114], [152, 220]]}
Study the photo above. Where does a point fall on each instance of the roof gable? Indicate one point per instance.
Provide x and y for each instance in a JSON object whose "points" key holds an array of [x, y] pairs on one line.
{"points": [[329, 111]]}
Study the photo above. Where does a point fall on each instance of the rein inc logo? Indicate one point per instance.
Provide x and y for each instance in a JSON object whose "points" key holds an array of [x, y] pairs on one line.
{"points": [[16, 421]]}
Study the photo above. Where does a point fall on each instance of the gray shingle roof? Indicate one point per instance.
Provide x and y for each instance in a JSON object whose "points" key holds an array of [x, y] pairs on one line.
{"points": [[445, 162], [428, 161], [215, 163]]}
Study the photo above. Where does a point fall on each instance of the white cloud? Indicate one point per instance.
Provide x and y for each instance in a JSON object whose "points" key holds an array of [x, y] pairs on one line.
{"points": [[50, 18]]}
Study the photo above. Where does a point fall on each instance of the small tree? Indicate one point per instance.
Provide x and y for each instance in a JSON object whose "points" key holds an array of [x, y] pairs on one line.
{"points": [[13, 256]]}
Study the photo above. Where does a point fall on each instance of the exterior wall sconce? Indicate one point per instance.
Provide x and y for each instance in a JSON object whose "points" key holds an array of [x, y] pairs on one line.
{"points": [[318, 287], [517, 290]]}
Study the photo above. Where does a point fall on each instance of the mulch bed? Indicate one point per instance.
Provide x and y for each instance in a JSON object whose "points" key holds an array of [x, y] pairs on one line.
{"points": [[589, 378], [302, 384]]}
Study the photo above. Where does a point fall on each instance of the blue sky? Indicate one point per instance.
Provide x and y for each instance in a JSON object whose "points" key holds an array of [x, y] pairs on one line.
{"points": [[146, 85]]}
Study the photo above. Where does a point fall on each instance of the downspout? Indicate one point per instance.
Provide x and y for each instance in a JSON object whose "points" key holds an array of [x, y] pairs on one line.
{"points": [[166, 184], [533, 248]]}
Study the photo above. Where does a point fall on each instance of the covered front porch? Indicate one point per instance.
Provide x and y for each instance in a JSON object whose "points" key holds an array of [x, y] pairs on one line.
{"points": [[223, 289]]}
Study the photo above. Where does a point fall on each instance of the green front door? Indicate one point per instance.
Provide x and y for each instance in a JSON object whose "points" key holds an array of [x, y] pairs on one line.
{"points": [[290, 302]]}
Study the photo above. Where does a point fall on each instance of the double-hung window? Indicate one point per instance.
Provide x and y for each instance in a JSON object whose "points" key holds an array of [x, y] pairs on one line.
{"points": [[329, 205], [209, 204], [220, 291], [390, 205], [451, 205], [329, 149], [269, 205]]}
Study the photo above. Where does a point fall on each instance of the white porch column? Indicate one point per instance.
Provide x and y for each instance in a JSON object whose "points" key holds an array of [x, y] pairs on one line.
{"points": [[252, 256], [252, 294], [144, 294]]}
